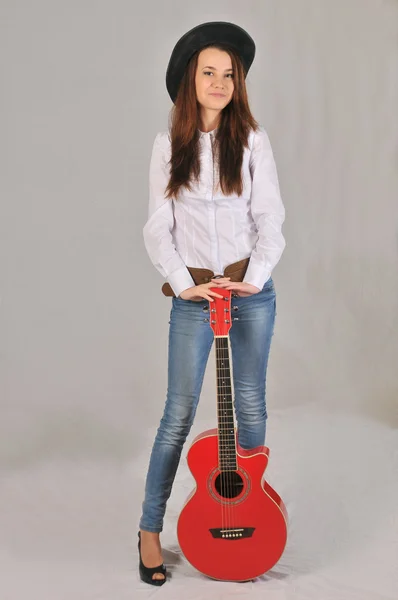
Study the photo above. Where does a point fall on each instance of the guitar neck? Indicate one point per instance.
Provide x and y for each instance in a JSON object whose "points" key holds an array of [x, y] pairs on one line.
{"points": [[225, 409]]}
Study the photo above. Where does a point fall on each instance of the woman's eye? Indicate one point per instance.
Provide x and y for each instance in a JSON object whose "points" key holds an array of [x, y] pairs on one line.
{"points": [[211, 73]]}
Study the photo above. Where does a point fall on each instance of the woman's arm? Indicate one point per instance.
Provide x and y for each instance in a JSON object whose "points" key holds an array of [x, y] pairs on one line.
{"points": [[157, 230], [267, 211]]}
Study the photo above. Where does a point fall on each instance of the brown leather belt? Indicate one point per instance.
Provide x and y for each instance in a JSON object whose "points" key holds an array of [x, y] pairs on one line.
{"points": [[236, 272]]}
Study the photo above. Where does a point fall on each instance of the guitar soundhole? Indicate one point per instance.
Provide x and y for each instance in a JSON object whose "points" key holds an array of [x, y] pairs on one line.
{"points": [[229, 484]]}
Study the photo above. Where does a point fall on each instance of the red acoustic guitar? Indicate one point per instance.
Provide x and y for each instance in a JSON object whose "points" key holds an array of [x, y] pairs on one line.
{"points": [[233, 526]]}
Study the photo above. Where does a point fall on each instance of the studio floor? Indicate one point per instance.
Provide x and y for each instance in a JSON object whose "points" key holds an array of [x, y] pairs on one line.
{"points": [[68, 528]]}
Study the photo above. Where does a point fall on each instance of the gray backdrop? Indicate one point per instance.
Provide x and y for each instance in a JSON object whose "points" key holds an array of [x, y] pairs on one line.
{"points": [[83, 324]]}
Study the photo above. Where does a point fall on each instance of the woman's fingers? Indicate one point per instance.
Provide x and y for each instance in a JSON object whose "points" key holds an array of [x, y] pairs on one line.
{"points": [[227, 284], [205, 288], [214, 294], [230, 286], [204, 291]]}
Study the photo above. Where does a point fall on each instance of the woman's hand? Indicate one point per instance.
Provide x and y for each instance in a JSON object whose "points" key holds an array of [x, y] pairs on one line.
{"points": [[241, 288], [203, 292]]}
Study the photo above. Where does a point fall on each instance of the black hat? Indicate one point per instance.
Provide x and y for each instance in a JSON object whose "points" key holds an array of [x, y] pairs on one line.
{"points": [[203, 35]]}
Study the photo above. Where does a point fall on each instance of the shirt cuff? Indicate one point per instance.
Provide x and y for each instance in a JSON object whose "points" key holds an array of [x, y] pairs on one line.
{"points": [[257, 274], [180, 280]]}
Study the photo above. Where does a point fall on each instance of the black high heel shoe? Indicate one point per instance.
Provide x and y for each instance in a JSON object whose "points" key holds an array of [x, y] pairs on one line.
{"points": [[146, 573]]}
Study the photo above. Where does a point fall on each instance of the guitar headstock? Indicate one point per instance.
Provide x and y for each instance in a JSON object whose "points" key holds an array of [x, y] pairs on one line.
{"points": [[220, 312]]}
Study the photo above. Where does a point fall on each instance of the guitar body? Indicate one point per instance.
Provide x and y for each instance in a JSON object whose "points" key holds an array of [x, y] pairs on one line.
{"points": [[233, 526]]}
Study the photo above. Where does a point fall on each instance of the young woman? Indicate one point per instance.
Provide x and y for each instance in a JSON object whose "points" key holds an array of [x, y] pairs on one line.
{"points": [[215, 208]]}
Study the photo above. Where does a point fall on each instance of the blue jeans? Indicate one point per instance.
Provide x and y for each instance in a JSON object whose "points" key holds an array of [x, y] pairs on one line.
{"points": [[190, 341]]}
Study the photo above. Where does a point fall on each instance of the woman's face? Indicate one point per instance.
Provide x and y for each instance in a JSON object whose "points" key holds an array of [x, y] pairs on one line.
{"points": [[214, 75]]}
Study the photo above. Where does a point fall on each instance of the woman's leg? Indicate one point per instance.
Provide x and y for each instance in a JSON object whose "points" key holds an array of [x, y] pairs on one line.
{"points": [[250, 338], [190, 340]]}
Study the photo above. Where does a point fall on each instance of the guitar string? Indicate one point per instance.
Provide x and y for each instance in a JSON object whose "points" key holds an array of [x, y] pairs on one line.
{"points": [[223, 421], [227, 436], [231, 450], [226, 441], [224, 435], [219, 421], [222, 432], [221, 436], [223, 366], [234, 432], [219, 424], [227, 432], [230, 424], [232, 436]]}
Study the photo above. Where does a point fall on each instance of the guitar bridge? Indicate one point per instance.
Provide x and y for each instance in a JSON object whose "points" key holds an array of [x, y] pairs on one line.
{"points": [[232, 533]]}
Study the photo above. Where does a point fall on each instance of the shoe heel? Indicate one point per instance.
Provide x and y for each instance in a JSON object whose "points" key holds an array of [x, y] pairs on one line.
{"points": [[146, 573]]}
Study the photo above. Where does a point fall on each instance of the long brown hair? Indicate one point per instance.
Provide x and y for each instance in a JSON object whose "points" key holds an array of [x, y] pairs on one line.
{"points": [[235, 123]]}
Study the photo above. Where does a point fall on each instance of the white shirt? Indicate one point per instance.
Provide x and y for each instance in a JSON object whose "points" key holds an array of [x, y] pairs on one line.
{"points": [[205, 228]]}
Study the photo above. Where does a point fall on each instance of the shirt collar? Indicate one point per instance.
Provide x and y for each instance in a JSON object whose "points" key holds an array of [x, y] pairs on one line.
{"points": [[208, 133]]}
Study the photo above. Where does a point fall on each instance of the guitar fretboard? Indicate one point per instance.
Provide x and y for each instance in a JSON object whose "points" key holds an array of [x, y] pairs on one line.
{"points": [[225, 409]]}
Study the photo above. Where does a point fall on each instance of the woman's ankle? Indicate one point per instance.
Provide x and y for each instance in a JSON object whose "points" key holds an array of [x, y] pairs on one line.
{"points": [[150, 535]]}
